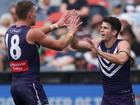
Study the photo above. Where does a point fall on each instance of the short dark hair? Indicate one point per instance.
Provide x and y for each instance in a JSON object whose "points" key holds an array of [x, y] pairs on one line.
{"points": [[23, 8], [114, 22]]}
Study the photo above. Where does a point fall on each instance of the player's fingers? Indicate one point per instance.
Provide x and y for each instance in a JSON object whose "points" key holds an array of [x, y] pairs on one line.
{"points": [[75, 19], [80, 24], [90, 41], [66, 13], [70, 14]]}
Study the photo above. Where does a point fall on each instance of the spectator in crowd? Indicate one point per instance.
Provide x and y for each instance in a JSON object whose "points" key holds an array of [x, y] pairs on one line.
{"points": [[98, 7], [117, 10], [128, 34], [81, 6], [42, 9], [80, 63], [95, 25], [5, 22], [92, 61]]}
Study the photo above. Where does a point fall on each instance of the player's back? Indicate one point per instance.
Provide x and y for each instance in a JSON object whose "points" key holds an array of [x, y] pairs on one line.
{"points": [[23, 57], [115, 77]]}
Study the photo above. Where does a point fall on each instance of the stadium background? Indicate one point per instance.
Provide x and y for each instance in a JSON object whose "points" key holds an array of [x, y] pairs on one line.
{"points": [[70, 77]]}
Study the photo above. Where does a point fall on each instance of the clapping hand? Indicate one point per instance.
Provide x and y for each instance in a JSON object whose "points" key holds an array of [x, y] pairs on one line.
{"points": [[93, 48], [65, 18]]}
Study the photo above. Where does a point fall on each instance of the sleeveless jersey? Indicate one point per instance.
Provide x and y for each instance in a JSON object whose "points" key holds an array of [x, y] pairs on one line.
{"points": [[23, 57], [115, 77]]}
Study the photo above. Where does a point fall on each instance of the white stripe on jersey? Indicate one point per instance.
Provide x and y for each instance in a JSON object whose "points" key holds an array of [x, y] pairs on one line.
{"points": [[104, 67], [112, 73], [107, 61]]}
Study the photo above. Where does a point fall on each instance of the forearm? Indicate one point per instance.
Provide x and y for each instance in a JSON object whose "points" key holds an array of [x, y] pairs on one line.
{"points": [[48, 28], [66, 40], [114, 58], [80, 45]]}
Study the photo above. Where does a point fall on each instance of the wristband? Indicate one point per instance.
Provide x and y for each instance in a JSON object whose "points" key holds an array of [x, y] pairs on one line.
{"points": [[53, 26]]}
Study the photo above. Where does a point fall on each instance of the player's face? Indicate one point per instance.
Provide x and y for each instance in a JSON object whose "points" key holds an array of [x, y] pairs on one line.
{"points": [[32, 16], [106, 31]]}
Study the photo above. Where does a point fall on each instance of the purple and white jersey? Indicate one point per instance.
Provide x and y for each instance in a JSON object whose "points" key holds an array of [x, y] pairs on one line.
{"points": [[115, 77], [23, 57]]}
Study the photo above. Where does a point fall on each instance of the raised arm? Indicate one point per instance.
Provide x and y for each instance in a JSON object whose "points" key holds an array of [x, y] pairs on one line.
{"points": [[60, 23], [37, 36], [119, 58]]}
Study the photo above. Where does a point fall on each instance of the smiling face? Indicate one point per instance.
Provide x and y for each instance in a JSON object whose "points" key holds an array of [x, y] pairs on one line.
{"points": [[106, 31]]}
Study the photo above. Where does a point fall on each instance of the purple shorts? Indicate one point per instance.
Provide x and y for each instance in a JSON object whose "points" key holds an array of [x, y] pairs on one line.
{"points": [[125, 99], [29, 94]]}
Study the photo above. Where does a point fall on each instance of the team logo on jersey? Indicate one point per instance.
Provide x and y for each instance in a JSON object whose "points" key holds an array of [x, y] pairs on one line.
{"points": [[108, 68]]}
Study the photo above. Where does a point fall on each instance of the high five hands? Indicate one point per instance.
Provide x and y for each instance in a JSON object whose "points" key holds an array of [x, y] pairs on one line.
{"points": [[71, 20]]}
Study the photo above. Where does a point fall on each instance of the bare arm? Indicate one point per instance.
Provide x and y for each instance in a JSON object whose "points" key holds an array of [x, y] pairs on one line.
{"points": [[61, 22], [84, 45], [121, 57], [37, 36], [46, 29], [80, 45]]}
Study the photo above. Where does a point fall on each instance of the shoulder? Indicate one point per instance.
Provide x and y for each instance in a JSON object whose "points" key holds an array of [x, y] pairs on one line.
{"points": [[123, 43], [33, 31], [124, 46], [33, 35]]}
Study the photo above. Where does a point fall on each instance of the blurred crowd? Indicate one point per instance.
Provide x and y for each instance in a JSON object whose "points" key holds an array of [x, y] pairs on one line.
{"points": [[91, 13]]}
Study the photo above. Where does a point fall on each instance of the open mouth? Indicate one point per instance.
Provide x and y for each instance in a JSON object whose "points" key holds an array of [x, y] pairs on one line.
{"points": [[103, 36]]}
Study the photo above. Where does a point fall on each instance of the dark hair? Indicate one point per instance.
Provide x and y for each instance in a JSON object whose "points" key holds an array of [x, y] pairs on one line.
{"points": [[129, 30], [114, 22], [23, 8]]}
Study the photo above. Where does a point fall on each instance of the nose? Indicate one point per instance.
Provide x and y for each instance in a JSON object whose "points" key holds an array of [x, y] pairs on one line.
{"points": [[102, 29]]}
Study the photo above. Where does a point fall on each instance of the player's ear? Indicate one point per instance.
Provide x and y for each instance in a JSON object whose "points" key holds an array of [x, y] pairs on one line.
{"points": [[29, 15], [114, 32]]}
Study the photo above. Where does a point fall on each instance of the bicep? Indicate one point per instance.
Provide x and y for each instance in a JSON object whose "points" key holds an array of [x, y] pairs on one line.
{"points": [[44, 29], [49, 42], [124, 50], [39, 37]]}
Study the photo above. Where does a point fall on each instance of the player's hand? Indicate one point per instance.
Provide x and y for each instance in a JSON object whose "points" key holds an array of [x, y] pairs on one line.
{"points": [[64, 20], [74, 24], [94, 50]]}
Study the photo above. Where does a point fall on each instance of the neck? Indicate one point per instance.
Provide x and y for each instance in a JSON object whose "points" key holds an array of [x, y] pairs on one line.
{"points": [[22, 22], [110, 43]]}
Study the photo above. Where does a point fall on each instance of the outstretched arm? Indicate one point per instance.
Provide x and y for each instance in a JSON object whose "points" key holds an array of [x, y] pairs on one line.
{"points": [[37, 36], [80, 45], [60, 23], [84, 45]]}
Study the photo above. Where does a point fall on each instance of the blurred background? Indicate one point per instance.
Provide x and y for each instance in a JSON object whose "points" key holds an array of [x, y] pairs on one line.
{"points": [[71, 77]]}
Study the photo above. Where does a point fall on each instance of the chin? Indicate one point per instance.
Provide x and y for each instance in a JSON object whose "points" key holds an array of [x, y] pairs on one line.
{"points": [[102, 38]]}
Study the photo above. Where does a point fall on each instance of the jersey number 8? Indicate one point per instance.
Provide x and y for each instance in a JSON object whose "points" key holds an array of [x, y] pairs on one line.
{"points": [[15, 50]]}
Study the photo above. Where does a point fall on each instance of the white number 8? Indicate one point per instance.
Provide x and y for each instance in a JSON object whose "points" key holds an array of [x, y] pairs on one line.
{"points": [[15, 50]]}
